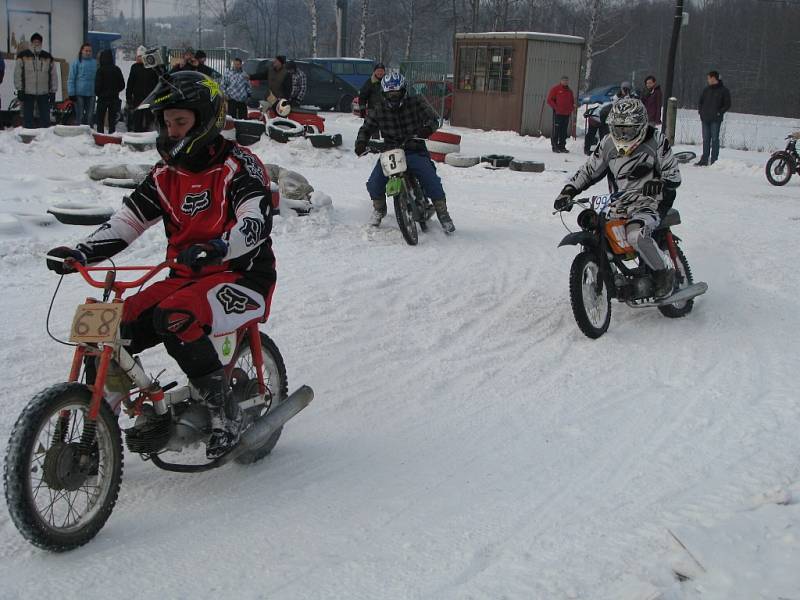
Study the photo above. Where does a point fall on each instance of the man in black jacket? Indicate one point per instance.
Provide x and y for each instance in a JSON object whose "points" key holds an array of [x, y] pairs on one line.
{"points": [[715, 101], [108, 83], [141, 81], [370, 94]]}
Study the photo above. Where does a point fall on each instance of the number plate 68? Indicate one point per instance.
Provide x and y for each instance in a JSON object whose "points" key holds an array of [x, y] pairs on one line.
{"points": [[96, 322]]}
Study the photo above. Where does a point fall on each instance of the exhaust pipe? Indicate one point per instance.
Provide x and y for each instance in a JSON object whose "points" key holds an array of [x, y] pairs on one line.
{"points": [[265, 426]]}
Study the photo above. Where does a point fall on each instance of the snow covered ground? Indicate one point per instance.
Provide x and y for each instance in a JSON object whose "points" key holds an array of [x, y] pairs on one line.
{"points": [[466, 440]]}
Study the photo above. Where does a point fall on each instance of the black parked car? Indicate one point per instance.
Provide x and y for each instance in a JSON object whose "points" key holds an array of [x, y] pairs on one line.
{"points": [[324, 89]]}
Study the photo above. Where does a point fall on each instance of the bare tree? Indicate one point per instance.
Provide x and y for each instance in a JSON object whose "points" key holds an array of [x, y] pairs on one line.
{"points": [[362, 38], [312, 9], [410, 7]]}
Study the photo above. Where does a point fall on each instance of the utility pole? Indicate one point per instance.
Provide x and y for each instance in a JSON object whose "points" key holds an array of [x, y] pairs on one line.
{"points": [[199, 23], [673, 49], [143, 35], [341, 27]]}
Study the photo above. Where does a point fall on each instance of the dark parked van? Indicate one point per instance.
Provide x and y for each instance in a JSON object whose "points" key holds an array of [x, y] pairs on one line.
{"points": [[324, 89]]}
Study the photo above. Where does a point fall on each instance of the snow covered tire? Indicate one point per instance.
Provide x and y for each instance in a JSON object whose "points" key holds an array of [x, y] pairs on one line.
{"points": [[81, 214], [527, 166], [461, 160]]}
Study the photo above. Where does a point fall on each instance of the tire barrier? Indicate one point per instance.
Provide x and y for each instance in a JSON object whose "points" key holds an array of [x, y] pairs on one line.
{"points": [[527, 166], [81, 214], [455, 159], [71, 130]]}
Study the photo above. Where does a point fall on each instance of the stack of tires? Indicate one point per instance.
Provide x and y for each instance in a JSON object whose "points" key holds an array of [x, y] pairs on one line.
{"points": [[441, 143]]}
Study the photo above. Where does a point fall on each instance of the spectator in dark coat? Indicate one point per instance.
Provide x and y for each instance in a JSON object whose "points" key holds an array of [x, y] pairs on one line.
{"points": [[141, 81], [370, 94], [279, 80], [562, 100], [653, 100], [108, 83], [200, 57], [715, 101]]}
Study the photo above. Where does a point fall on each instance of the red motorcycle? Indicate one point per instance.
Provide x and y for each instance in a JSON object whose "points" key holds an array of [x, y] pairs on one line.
{"points": [[63, 465]]}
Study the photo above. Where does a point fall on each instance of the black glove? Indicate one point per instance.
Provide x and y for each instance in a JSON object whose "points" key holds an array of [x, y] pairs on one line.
{"points": [[363, 113], [73, 98], [52, 98], [424, 132], [652, 188], [361, 149], [198, 256], [20, 94], [64, 252], [564, 199]]}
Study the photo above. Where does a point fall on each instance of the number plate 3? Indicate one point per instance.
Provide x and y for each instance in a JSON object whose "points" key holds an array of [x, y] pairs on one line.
{"points": [[96, 322]]}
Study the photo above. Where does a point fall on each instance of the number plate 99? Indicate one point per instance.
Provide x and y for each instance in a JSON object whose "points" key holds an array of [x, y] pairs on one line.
{"points": [[96, 322]]}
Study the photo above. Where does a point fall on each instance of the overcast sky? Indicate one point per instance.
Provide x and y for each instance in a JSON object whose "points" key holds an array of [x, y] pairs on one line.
{"points": [[157, 8]]}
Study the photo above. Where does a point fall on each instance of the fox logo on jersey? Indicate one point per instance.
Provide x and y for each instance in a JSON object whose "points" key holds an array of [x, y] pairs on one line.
{"points": [[195, 203], [235, 301], [252, 230]]}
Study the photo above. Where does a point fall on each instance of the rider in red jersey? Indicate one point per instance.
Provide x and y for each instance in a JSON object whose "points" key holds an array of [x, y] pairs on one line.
{"points": [[213, 198]]}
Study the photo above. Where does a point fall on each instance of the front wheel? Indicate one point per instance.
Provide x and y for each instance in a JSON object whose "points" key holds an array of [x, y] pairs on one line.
{"points": [[244, 383], [58, 495], [779, 168], [588, 294], [683, 279], [405, 218]]}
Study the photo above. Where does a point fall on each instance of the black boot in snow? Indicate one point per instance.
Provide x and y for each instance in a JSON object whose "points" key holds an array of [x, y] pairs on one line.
{"points": [[664, 282], [444, 216], [224, 413]]}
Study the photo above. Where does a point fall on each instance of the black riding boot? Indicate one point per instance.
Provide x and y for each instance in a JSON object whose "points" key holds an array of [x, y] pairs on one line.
{"points": [[226, 416], [444, 216]]}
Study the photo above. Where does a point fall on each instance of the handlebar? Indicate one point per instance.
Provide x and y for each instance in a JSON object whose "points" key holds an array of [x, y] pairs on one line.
{"points": [[119, 286], [387, 147]]}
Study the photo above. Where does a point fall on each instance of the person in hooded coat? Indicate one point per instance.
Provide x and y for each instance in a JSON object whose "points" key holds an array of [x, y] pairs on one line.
{"points": [[108, 83]]}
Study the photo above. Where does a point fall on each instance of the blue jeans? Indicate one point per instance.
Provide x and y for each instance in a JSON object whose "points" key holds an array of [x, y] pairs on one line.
{"points": [[43, 104], [710, 139], [421, 165], [84, 110]]}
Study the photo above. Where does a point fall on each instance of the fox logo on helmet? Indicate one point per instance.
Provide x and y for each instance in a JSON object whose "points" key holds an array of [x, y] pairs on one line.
{"points": [[235, 301], [195, 203]]}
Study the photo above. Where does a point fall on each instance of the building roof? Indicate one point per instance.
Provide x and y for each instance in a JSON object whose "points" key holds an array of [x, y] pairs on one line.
{"points": [[521, 35]]}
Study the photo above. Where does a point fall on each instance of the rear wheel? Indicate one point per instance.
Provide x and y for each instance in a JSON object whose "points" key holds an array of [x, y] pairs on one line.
{"points": [[779, 168], [588, 294], [405, 218], [244, 383], [59, 496], [683, 279]]}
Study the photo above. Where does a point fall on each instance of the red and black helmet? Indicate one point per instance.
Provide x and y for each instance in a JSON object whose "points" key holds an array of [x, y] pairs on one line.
{"points": [[192, 91]]}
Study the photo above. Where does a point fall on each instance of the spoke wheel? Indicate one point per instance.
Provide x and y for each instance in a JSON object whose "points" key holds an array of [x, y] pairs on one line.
{"points": [[244, 383], [405, 218], [57, 499], [683, 279], [591, 303], [779, 169]]}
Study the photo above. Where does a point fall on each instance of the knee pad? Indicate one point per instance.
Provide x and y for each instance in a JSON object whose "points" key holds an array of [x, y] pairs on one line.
{"points": [[639, 237], [196, 358], [172, 322]]}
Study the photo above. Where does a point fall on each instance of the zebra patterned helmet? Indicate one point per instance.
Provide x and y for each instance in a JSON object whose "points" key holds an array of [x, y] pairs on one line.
{"points": [[627, 124]]}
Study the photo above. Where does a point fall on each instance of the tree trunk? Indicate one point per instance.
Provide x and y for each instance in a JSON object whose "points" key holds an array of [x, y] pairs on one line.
{"points": [[362, 40], [312, 9], [594, 22], [410, 37]]}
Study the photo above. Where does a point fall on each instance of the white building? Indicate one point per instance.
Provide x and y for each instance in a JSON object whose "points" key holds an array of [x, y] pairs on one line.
{"points": [[62, 24]]}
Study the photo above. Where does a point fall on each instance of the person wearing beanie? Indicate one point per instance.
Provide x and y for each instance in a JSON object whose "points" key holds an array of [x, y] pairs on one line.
{"points": [[278, 79], [200, 57], [141, 81], [370, 94], [80, 85], [36, 80]]}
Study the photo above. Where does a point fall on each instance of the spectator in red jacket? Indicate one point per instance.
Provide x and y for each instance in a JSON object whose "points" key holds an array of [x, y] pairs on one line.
{"points": [[562, 101], [653, 100]]}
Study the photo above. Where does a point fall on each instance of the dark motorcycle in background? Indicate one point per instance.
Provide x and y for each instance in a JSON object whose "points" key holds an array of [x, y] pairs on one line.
{"points": [[784, 163], [608, 267]]}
